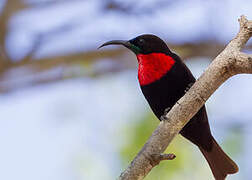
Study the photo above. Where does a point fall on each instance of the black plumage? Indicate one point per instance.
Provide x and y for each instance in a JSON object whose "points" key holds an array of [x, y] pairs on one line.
{"points": [[163, 90]]}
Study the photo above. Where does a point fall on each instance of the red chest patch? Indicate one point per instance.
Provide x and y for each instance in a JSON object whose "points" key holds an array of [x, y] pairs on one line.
{"points": [[152, 67]]}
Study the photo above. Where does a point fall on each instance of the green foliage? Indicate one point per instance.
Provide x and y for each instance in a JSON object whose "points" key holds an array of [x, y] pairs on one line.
{"points": [[137, 134]]}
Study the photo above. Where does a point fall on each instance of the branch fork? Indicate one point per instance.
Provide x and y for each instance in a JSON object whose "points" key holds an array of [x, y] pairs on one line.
{"points": [[157, 158]]}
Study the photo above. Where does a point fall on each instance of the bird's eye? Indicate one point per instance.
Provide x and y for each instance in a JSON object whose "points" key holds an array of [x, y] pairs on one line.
{"points": [[141, 41]]}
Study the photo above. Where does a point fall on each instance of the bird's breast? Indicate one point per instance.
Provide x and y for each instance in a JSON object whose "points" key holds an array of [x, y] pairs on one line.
{"points": [[151, 67]]}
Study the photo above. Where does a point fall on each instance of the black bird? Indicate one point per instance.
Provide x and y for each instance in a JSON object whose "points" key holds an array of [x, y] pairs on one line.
{"points": [[164, 78]]}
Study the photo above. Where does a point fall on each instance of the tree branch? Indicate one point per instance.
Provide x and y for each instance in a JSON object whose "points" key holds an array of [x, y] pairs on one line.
{"points": [[228, 63]]}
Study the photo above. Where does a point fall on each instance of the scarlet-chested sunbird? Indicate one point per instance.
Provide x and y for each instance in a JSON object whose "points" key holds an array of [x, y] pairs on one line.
{"points": [[164, 79]]}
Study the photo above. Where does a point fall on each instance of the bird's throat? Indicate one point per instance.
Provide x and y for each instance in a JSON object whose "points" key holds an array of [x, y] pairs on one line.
{"points": [[151, 67]]}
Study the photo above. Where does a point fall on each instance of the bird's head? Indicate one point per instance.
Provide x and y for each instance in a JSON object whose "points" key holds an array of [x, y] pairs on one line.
{"points": [[144, 44]]}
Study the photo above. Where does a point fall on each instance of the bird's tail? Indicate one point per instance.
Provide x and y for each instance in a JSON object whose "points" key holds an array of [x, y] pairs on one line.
{"points": [[219, 162]]}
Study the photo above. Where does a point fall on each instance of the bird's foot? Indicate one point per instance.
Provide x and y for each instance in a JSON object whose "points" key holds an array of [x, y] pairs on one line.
{"points": [[188, 87], [167, 110], [163, 117]]}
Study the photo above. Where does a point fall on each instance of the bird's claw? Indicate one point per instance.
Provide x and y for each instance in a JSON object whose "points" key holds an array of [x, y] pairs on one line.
{"points": [[167, 110], [163, 117], [188, 87]]}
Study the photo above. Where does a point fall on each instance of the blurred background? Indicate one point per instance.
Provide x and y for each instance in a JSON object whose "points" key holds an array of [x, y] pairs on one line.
{"points": [[72, 112]]}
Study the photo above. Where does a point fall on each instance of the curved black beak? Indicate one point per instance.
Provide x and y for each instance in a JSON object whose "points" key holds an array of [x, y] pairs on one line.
{"points": [[115, 42]]}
